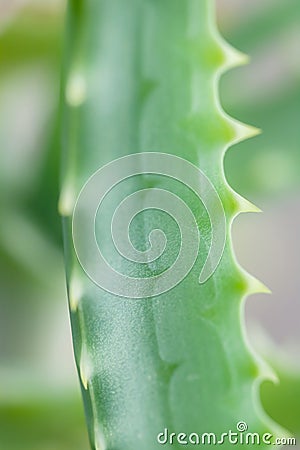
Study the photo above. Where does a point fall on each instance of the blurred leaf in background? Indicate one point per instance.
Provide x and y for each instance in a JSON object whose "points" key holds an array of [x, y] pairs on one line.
{"points": [[40, 407], [265, 93]]}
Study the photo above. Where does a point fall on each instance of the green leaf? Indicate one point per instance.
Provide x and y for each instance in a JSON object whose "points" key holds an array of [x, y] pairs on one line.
{"points": [[281, 400], [142, 78], [41, 423]]}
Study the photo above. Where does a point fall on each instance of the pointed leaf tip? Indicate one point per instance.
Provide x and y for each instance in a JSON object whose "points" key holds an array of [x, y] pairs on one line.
{"points": [[243, 131], [245, 206], [233, 57], [255, 286]]}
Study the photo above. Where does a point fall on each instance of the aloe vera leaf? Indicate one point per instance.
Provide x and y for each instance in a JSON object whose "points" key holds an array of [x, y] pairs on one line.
{"points": [[43, 422], [34, 34], [30, 57], [269, 20], [281, 400], [144, 79]]}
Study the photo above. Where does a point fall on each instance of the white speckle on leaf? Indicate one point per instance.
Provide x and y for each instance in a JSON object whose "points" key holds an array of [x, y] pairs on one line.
{"points": [[66, 200], [75, 293], [86, 366], [76, 90], [100, 443]]}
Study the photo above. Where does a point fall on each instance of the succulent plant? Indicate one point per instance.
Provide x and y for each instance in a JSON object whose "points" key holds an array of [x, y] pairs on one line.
{"points": [[141, 77]]}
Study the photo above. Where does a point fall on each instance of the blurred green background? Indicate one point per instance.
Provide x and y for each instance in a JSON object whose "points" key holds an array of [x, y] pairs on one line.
{"points": [[40, 407]]}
